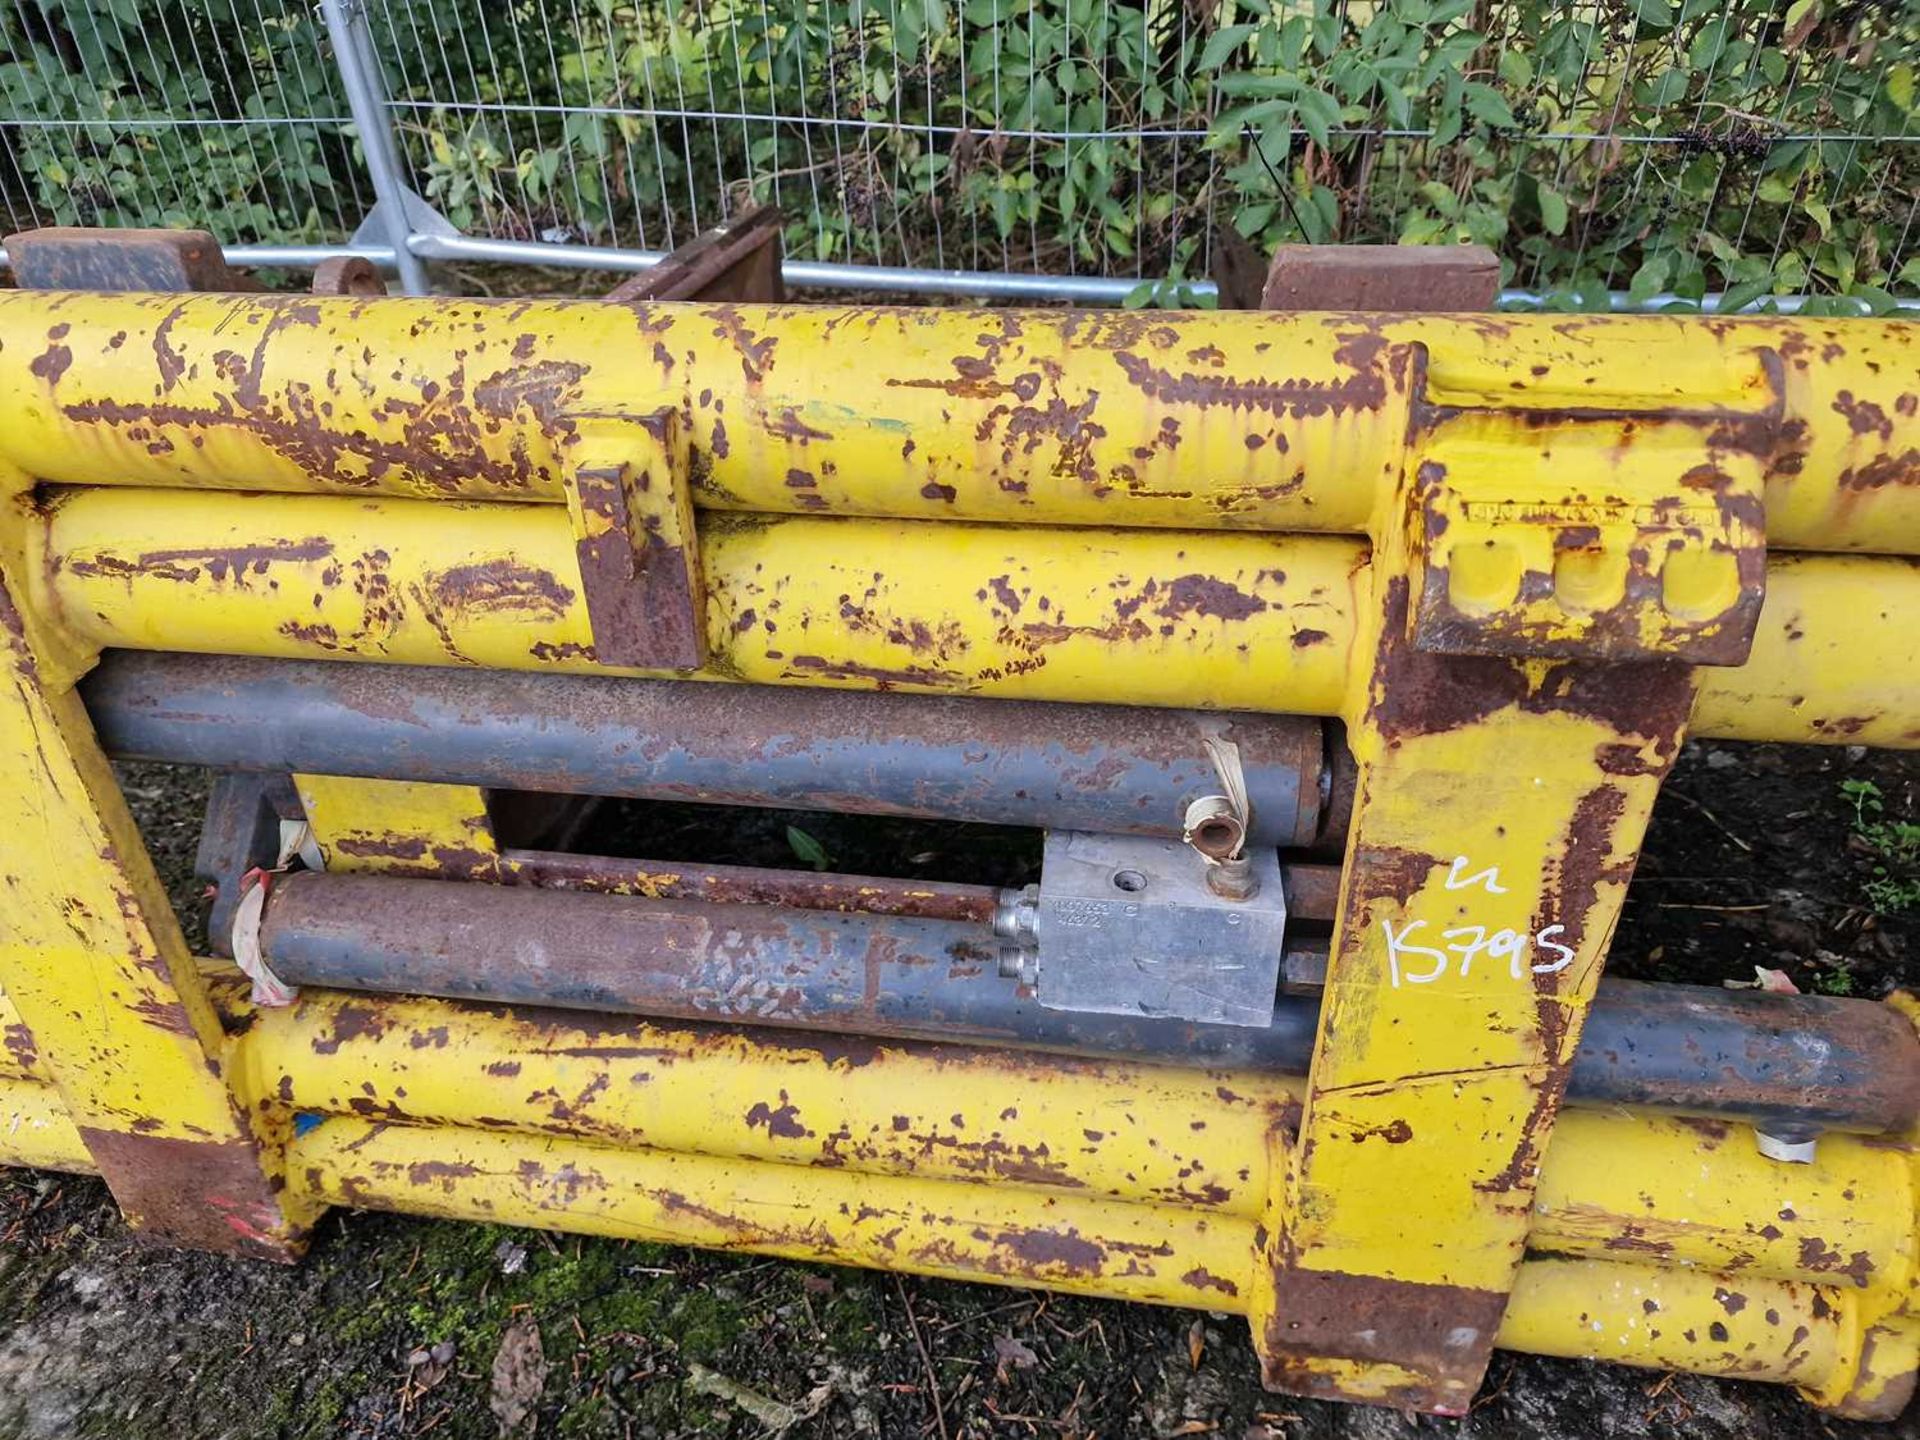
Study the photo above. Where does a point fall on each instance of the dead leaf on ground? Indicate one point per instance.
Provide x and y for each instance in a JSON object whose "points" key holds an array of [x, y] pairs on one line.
{"points": [[1013, 1354], [428, 1366], [519, 1377], [1196, 1342], [778, 1416]]}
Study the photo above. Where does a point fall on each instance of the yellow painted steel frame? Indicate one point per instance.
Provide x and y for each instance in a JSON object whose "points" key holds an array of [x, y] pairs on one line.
{"points": [[1541, 554], [394, 827], [1499, 810], [94, 965], [1204, 420]]}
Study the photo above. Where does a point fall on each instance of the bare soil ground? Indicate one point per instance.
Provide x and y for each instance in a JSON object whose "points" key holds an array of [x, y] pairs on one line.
{"points": [[392, 1327]]}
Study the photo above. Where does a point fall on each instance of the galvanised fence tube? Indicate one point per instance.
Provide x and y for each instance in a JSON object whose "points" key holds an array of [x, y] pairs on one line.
{"points": [[1090, 290], [360, 78]]}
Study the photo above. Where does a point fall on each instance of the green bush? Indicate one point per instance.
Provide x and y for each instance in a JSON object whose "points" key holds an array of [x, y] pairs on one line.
{"points": [[1639, 144]]}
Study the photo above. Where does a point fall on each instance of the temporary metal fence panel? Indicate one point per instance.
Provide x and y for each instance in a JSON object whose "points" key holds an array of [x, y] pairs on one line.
{"points": [[225, 115], [1023, 149]]}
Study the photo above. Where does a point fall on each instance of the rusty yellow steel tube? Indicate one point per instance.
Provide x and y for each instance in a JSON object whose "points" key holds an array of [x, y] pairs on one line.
{"points": [[1613, 1186], [1698, 1192], [1188, 421], [1246, 622], [1677, 1319], [1160, 1254], [1733, 1326], [36, 1131], [1832, 660], [1239, 622], [1104, 1129]]}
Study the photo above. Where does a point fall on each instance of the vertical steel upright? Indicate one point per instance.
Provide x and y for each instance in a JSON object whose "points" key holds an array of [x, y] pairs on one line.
{"points": [[359, 69]]}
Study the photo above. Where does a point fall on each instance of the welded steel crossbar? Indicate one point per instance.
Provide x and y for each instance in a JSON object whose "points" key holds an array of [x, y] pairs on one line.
{"points": [[439, 584], [1520, 558], [1221, 420]]}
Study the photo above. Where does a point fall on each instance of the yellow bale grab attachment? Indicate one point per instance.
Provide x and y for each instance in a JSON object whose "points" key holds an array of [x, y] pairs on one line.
{"points": [[1213, 598]]}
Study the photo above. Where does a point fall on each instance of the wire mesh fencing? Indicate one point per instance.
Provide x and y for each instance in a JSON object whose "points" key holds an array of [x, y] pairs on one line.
{"points": [[220, 114], [1653, 147]]}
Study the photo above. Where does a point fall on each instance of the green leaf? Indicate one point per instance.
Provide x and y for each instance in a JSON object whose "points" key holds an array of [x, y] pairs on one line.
{"points": [[1250, 220], [1399, 106], [1451, 113], [1488, 105], [1324, 206], [1235, 122], [1447, 58], [806, 848], [1223, 43], [1802, 16], [1319, 113], [1667, 87], [1592, 295], [1649, 279], [1326, 32], [1261, 87], [1708, 45], [1736, 298], [1516, 68], [1819, 306], [1720, 247], [1879, 302], [1900, 86], [1293, 41], [1553, 211], [1655, 14]]}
